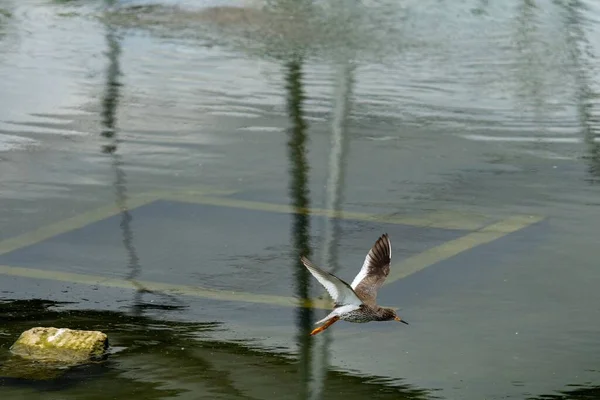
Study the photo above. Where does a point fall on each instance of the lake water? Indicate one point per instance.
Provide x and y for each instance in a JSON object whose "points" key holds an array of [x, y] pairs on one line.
{"points": [[164, 165]]}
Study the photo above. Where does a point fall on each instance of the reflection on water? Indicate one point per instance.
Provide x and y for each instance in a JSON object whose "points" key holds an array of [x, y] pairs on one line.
{"points": [[337, 160], [549, 66], [300, 201], [314, 352], [110, 103], [278, 28], [109, 118], [163, 359], [580, 392], [520, 74], [334, 199], [532, 87], [584, 68], [489, 66]]}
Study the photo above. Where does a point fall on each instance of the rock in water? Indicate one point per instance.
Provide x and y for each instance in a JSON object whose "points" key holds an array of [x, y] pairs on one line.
{"points": [[65, 346]]}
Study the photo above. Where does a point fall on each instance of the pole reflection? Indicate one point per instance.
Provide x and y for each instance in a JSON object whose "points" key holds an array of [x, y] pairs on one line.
{"points": [[110, 104], [334, 198], [314, 352], [299, 195]]}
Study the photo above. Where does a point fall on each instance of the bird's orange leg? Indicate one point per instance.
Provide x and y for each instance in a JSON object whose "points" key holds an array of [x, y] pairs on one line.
{"points": [[326, 325]]}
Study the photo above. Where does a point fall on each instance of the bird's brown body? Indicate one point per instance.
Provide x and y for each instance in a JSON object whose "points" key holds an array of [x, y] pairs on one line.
{"points": [[368, 313], [357, 302]]}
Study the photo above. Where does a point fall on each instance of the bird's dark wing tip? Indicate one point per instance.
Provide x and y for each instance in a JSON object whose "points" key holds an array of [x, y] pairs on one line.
{"points": [[382, 249], [305, 261]]}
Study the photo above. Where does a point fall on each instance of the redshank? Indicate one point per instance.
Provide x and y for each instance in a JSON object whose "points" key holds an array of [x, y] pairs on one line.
{"points": [[358, 302]]}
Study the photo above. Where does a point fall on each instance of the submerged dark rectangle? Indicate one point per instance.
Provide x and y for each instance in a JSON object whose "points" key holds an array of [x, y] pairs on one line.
{"points": [[213, 247]]}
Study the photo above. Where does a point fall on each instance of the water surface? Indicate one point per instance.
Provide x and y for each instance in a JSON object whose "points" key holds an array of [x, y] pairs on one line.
{"points": [[473, 111]]}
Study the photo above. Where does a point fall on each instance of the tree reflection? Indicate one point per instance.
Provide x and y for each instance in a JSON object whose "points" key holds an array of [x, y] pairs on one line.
{"points": [[582, 56], [531, 61]]}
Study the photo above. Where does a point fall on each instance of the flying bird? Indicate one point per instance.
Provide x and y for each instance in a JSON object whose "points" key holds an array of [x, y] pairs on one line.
{"points": [[357, 302]]}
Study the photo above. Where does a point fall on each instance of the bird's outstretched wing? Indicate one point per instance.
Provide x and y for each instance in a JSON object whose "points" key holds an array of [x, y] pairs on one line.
{"points": [[374, 270], [340, 291]]}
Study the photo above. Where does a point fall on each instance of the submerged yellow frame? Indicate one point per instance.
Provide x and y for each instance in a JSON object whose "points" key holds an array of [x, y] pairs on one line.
{"points": [[479, 231]]}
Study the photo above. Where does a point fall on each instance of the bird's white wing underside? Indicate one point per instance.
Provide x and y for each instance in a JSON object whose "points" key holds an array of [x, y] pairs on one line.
{"points": [[362, 274], [339, 291]]}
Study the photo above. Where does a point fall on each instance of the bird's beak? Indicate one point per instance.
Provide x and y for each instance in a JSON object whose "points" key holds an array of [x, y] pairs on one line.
{"points": [[400, 320]]}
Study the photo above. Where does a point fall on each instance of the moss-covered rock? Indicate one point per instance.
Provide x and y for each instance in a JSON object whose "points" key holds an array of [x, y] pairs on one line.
{"points": [[65, 346]]}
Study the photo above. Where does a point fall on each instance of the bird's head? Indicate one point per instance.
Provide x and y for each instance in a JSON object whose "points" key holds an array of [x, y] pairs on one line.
{"points": [[390, 314]]}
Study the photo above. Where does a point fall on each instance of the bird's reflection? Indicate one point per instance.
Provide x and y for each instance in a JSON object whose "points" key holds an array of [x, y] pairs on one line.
{"points": [[110, 102]]}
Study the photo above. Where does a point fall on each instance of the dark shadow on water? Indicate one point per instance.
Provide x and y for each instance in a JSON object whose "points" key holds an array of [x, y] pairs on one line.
{"points": [[128, 336], [159, 359], [581, 392]]}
